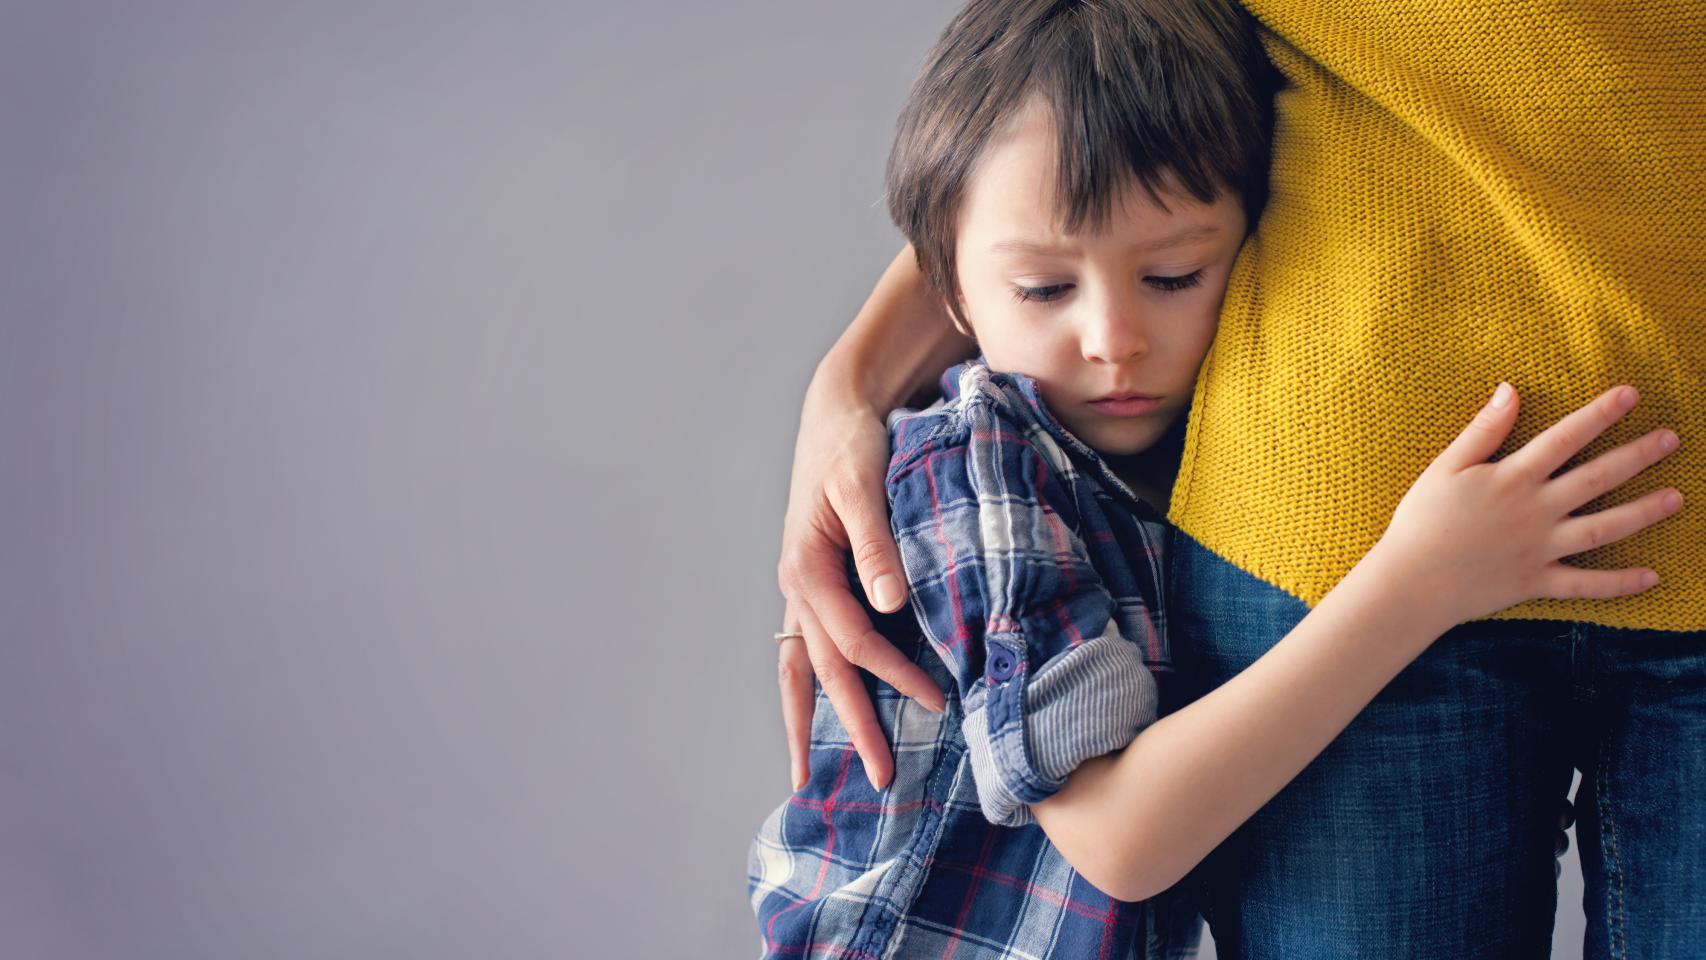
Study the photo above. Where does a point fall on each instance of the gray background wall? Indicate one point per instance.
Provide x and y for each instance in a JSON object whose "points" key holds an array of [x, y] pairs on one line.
{"points": [[395, 408]]}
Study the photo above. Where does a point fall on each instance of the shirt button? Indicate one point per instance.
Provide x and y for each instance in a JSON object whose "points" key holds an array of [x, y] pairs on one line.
{"points": [[1001, 665]]}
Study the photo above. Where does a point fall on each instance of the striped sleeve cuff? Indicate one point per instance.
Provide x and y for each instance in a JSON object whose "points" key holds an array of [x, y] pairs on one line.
{"points": [[1027, 734]]}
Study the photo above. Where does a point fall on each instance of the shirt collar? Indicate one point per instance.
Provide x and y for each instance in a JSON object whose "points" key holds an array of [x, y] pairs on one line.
{"points": [[1039, 411]]}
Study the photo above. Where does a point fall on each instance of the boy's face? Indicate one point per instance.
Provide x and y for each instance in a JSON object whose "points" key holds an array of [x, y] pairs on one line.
{"points": [[1096, 318]]}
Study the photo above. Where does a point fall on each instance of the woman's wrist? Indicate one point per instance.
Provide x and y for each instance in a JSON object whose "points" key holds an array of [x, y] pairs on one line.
{"points": [[841, 385], [896, 345]]}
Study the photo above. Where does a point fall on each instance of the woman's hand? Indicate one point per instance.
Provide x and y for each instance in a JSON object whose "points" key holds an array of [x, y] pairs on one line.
{"points": [[836, 503], [896, 346], [1475, 537]]}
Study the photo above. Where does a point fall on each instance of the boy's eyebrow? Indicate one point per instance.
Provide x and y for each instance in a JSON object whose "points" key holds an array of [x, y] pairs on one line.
{"points": [[1176, 238]]}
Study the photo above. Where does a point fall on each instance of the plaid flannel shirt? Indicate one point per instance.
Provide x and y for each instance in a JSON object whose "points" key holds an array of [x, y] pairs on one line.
{"points": [[1036, 579]]}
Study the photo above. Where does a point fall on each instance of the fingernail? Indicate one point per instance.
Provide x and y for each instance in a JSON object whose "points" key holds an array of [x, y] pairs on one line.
{"points": [[1626, 397], [1501, 396], [873, 778], [1667, 441], [1649, 578], [935, 706], [887, 590], [1672, 500]]}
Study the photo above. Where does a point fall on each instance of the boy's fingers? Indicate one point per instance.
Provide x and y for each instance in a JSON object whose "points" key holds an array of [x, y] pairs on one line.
{"points": [[840, 682], [1563, 582], [1581, 534], [794, 676], [863, 511], [1610, 470], [1481, 439], [1553, 447]]}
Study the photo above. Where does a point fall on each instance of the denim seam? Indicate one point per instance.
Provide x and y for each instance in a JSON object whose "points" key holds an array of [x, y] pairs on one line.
{"points": [[1616, 941], [1581, 666]]}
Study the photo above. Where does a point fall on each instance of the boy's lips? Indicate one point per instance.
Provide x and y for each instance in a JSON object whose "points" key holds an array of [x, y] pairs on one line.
{"points": [[1126, 404]]}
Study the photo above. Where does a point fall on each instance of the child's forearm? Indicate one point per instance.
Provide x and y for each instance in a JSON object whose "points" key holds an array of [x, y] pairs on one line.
{"points": [[898, 343], [1136, 821]]}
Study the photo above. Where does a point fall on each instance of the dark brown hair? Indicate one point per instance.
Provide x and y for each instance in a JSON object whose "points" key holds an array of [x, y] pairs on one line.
{"points": [[1168, 91]]}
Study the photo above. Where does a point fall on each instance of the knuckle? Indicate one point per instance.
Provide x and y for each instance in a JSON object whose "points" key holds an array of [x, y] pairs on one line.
{"points": [[1507, 480], [826, 662], [846, 492], [790, 570], [1538, 585], [1564, 586], [870, 551], [1596, 535], [854, 647], [832, 677]]}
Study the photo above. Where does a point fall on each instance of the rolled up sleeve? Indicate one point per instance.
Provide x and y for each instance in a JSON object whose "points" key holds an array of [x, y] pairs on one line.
{"points": [[1005, 592]]}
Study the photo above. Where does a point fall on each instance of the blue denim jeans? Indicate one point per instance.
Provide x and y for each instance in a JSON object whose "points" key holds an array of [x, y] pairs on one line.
{"points": [[1426, 829]]}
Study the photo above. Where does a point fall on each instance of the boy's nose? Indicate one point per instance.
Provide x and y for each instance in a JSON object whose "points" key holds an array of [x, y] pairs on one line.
{"points": [[1114, 334]]}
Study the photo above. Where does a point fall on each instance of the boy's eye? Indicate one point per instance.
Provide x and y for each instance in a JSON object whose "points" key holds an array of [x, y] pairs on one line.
{"points": [[1170, 284], [1053, 291]]}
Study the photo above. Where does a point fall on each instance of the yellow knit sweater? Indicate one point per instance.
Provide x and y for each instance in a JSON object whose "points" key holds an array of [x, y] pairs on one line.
{"points": [[1463, 192]]}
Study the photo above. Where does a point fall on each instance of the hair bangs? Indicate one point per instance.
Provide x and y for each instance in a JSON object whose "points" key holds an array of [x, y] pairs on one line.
{"points": [[1172, 95]]}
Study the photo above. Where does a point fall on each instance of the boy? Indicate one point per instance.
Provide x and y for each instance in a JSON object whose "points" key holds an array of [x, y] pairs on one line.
{"points": [[1081, 211]]}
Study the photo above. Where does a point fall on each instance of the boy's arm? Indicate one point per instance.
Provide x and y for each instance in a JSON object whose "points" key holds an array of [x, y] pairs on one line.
{"points": [[1005, 590], [1470, 538], [1134, 822], [895, 347]]}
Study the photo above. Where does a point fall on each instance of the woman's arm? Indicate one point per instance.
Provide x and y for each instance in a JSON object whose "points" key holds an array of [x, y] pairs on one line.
{"points": [[1469, 539], [893, 351], [897, 344]]}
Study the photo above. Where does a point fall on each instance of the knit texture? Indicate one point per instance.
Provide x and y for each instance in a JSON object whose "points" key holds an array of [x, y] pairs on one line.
{"points": [[1463, 193]]}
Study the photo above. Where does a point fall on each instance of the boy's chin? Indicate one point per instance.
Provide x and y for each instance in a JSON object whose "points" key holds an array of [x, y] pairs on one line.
{"points": [[1121, 441]]}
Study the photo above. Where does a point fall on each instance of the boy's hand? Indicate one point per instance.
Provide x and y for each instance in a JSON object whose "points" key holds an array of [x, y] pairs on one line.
{"points": [[1471, 537], [836, 503]]}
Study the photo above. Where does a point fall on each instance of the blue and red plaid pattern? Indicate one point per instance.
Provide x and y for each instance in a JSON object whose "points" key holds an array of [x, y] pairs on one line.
{"points": [[1036, 579]]}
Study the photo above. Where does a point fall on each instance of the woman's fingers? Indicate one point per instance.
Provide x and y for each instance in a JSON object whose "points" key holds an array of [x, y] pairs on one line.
{"points": [[847, 694], [864, 512], [1543, 455], [794, 676], [1609, 471], [1581, 534], [1479, 440], [818, 578]]}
